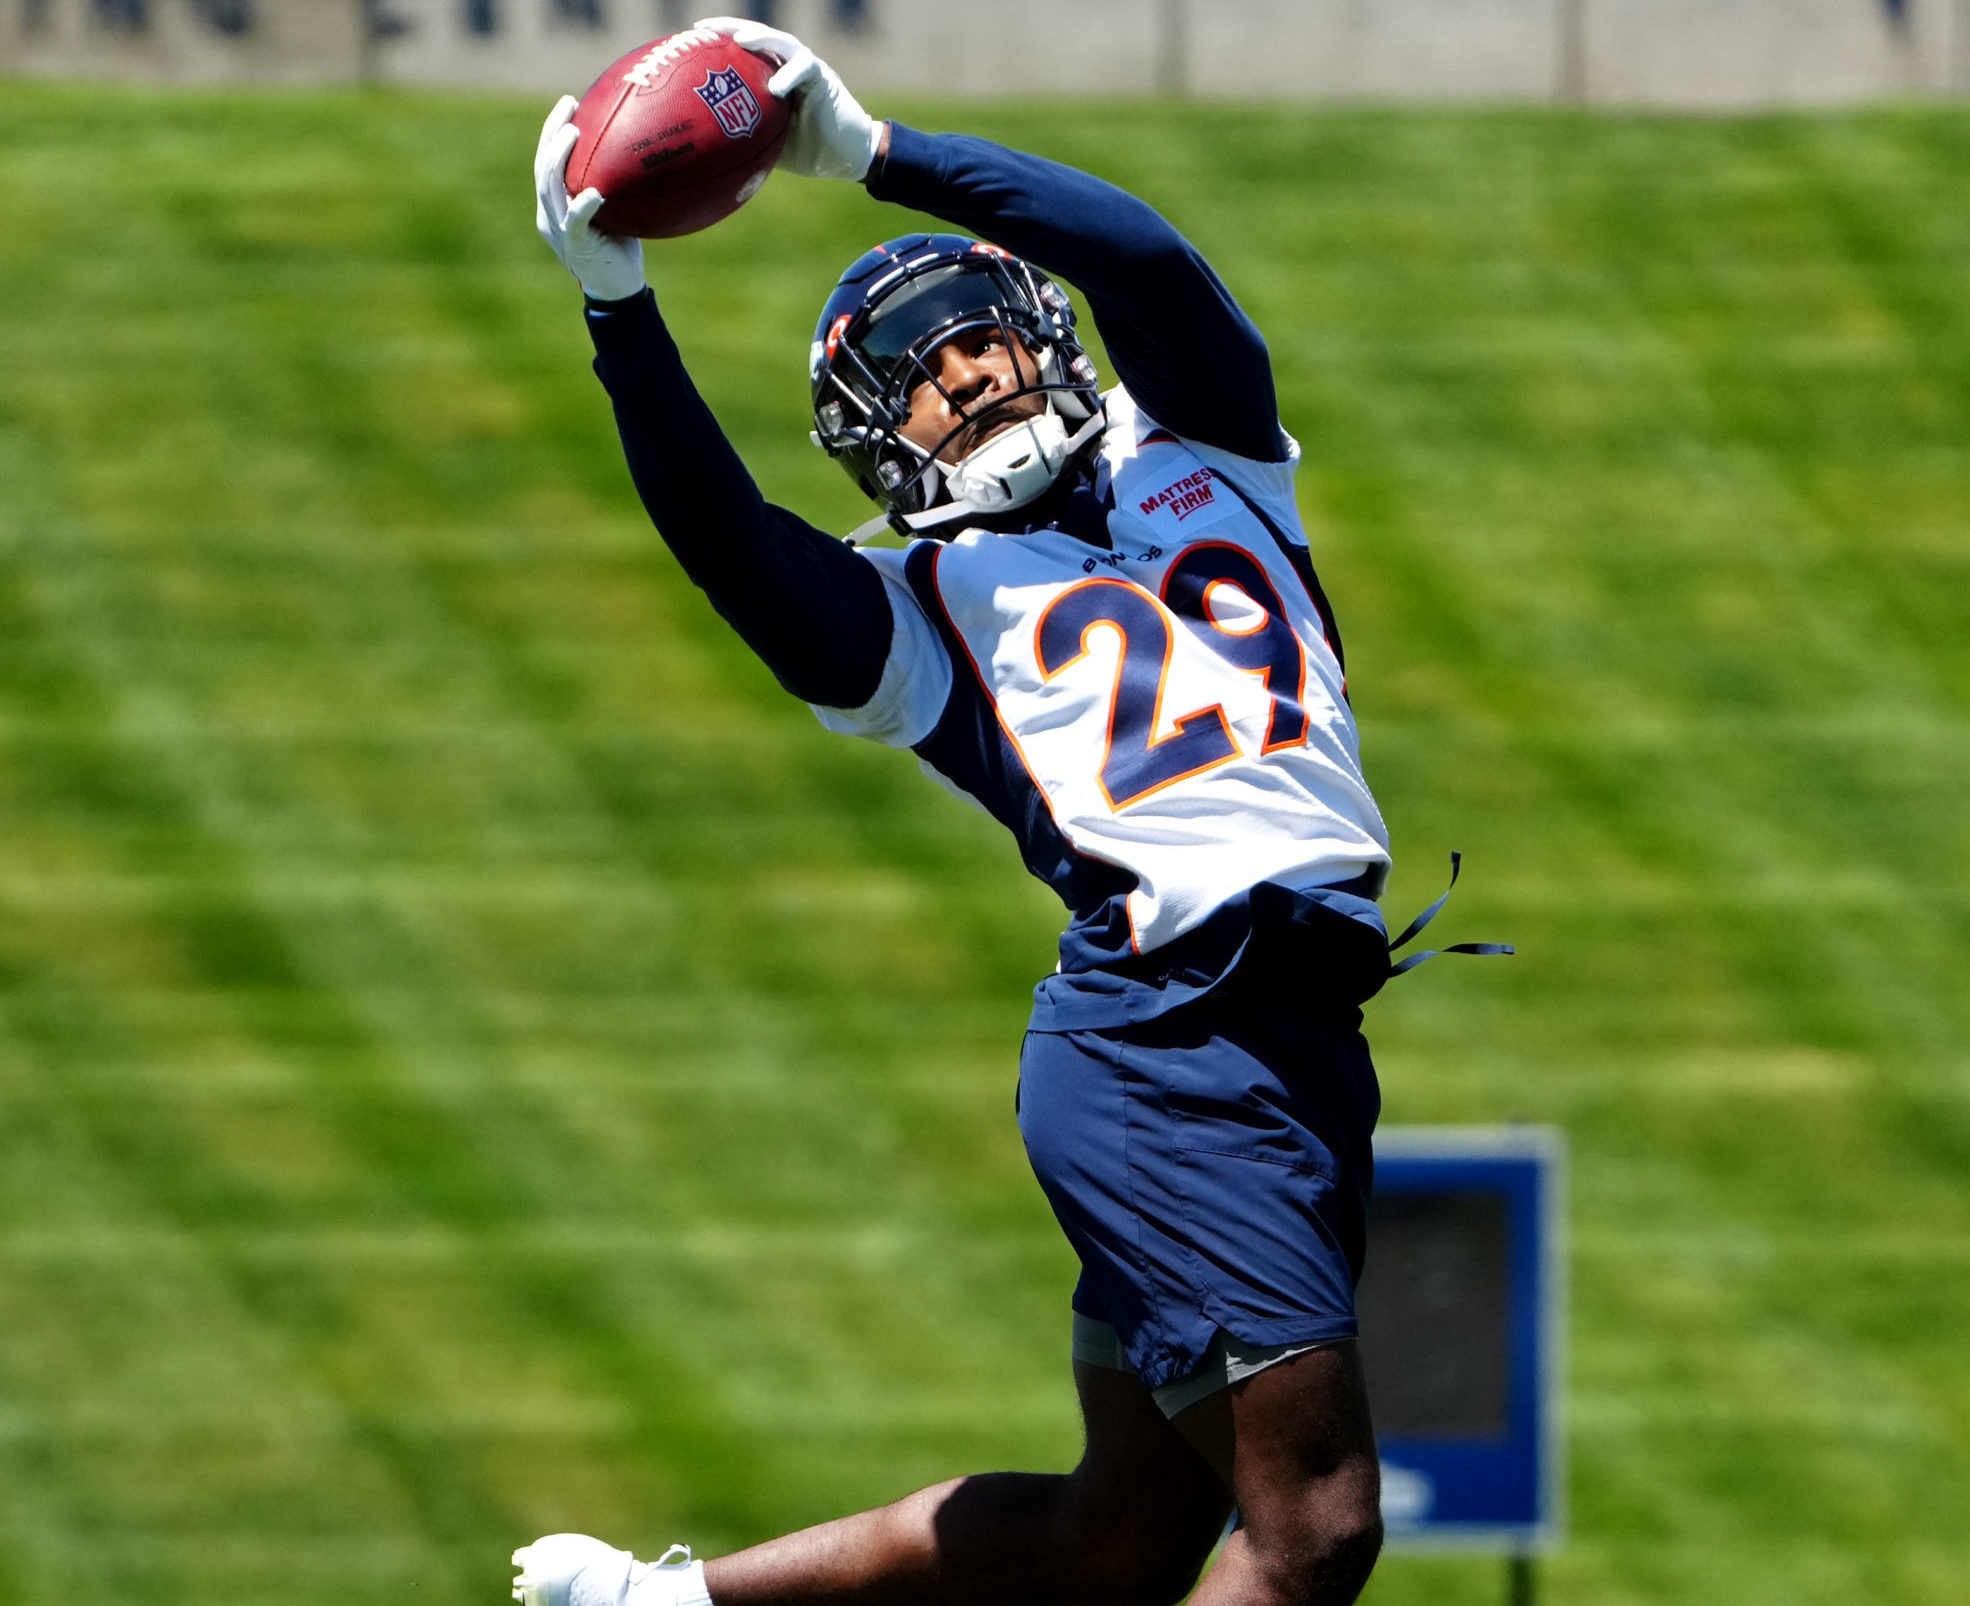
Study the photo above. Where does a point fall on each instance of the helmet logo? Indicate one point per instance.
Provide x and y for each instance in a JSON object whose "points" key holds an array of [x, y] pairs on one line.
{"points": [[834, 332], [986, 248]]}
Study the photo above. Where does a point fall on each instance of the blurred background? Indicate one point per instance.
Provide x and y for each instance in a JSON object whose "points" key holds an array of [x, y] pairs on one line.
{"points": [[476, 1059], [1712, 53]]}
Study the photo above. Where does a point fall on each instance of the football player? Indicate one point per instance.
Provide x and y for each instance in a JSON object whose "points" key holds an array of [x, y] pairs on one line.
{"points": [[1106, 631]]}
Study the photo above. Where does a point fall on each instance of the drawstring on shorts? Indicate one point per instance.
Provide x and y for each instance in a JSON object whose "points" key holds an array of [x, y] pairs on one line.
{"points": [[1414, 928]]}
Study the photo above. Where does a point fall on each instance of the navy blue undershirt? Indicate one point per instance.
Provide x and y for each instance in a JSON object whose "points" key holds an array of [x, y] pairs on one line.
{"points": [[1179, 342], [813, 609]]}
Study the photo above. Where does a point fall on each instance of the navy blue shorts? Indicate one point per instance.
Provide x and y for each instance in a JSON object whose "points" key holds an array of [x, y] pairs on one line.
{"points": [[1211, 1168]]}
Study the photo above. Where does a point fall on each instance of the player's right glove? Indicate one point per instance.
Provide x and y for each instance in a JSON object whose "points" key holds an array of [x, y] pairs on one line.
{"points": [[607, 268], [831, 137]]}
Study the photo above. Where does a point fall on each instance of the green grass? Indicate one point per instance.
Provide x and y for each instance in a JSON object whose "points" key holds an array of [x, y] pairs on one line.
{"points": [[475, 1059]]}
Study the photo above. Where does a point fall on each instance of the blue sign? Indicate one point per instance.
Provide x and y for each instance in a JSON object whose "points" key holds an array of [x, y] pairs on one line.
{"points": [[1461, 1335]]}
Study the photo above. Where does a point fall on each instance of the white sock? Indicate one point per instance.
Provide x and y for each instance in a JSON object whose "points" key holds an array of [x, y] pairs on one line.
{"points": [[665, 1582]]}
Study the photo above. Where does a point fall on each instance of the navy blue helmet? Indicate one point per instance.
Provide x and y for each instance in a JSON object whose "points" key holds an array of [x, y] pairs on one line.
{"points": [[890, 310]]}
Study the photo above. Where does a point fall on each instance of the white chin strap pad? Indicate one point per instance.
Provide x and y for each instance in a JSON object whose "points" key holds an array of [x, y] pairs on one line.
{"points": [[1024, 475], [1014, 467]]}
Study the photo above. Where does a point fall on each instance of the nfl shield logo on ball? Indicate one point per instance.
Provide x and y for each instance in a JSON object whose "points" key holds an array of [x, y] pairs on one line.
{"points": [[725, 92]]}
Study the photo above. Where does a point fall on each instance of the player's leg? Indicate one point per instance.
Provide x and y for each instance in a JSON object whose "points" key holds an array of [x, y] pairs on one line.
{"points": [[1130, 1526], [1223, 1238], [1295, 1444]]}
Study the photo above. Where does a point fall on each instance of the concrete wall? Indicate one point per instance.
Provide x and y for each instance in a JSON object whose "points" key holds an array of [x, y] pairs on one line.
{"points": [[189, 41], [1429, 49], [1090, 46], [1691, 53], [1705, 53]]}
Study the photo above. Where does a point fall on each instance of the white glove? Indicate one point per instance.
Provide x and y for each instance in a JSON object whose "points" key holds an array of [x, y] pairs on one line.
{"points": [[831, 137], [608, 269]]}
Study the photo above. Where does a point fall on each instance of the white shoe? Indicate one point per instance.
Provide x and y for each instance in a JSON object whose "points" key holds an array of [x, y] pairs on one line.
{"points": [[575, 1570]]}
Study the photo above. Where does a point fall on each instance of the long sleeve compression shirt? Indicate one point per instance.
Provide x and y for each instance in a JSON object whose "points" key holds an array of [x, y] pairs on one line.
{"points": [[1184, 348], [814, 610]]}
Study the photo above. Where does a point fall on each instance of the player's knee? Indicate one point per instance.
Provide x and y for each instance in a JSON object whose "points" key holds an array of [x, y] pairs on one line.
{"points": [[1352, 1546], [1320, 1550]]}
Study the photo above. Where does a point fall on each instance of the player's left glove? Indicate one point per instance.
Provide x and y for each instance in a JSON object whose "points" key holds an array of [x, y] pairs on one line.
{"points": [[831, 137], [607, 268]]}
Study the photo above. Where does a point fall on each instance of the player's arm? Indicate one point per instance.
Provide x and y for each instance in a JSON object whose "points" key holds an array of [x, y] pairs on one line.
{"points": [[1178, 340], [815, 611]]}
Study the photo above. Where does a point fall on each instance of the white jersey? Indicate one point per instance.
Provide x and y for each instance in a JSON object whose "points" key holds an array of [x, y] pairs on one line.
{"points": [[1161, 720]]}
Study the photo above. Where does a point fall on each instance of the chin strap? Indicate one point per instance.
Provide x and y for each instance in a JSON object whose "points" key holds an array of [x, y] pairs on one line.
{"points": [[911, 525]]}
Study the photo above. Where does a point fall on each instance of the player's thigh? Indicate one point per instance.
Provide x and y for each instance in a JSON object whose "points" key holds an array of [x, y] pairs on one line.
{"points": [[1141, 1490], [1296, 1444]]}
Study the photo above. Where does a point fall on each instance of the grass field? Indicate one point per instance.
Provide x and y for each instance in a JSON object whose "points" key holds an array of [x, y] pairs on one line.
{"points": [[476, 1059]]}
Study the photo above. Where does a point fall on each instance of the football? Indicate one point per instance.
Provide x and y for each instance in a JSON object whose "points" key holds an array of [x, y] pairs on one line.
{"points": [[676, 135]]}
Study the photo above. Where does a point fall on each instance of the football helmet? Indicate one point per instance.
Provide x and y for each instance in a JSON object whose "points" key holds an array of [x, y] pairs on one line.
{"points": [[892, 308]]}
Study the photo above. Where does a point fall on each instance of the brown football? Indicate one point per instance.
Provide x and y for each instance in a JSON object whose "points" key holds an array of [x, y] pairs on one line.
{"points": [[677, 135]]}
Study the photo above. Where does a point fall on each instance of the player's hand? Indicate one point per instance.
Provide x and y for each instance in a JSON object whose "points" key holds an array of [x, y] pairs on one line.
{"points": [[831, 137], [607, 268]]}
